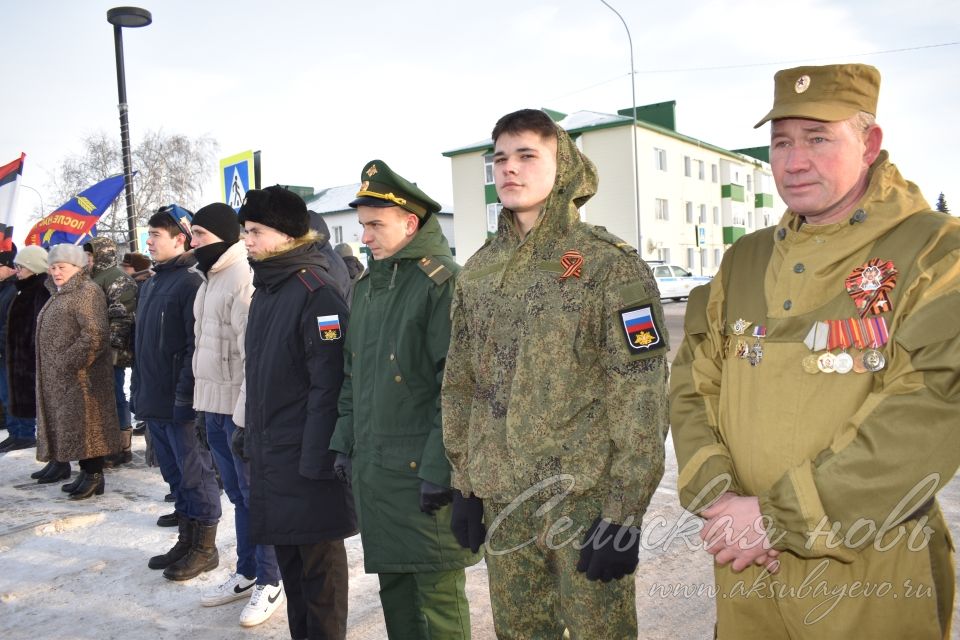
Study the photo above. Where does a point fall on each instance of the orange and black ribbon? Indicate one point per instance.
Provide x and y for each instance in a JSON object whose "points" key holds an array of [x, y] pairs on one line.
{"points": [[571, 261], [870, 285]]}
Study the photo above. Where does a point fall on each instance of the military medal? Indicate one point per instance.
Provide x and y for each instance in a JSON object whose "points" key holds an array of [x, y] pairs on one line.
{"points": [[843, 363], [876, 329], [810, 364], [870, 285], [756, 352], [738, 328], [825, 362], [858, 363], [742, 349]]}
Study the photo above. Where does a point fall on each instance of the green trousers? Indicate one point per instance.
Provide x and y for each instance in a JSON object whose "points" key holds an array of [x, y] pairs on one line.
{"points": [[535, 588], [425, 606]]}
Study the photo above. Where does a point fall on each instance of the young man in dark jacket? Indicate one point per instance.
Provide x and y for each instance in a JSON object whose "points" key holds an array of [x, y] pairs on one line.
{"points": [[294, 369], [163, 395], [390, 430]]}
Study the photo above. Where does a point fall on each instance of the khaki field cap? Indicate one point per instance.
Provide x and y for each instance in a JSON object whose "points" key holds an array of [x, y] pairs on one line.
{"points": [[829, 93]]}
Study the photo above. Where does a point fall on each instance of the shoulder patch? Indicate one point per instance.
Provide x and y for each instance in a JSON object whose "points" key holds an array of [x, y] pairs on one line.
{"points": [[605, 236], [310, 279], [329, 328], [640, 329], [434, 270]]}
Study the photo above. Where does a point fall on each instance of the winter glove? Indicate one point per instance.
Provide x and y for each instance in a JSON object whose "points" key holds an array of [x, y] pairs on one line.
{"points": [[433, 497], [200, 428], [183, 413], [610, 551], [466, 521], [343, 467], [237, 442]]}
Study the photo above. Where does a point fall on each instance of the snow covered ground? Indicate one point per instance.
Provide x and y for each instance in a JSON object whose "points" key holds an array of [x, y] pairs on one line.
{"points": [[79, 569]]}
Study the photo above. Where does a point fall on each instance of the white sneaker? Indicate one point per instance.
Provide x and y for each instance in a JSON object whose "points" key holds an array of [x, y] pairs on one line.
{"points": [[236, 587], [263, 602]]}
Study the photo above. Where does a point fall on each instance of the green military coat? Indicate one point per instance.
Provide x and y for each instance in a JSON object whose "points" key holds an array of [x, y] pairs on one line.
{"points": [[390, 423]]}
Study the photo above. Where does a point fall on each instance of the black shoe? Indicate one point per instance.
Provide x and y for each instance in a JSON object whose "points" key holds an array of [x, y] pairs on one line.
{"points": [[36, 475], [169, 498], [139, 430], [59, 471], [179, 550], [15, 444], [168, 520], [70, 487], [92, 485], [201, 557]]}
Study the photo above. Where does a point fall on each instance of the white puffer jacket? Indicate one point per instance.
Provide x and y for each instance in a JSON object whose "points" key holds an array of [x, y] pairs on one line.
{"points": [[220, 320]]}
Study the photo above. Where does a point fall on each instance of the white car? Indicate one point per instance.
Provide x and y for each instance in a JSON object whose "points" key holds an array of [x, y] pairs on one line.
{"points": [[675, 282]]}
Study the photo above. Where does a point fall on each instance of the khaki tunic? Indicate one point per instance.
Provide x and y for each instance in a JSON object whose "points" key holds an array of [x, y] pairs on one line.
{"points": [[828, 451]]}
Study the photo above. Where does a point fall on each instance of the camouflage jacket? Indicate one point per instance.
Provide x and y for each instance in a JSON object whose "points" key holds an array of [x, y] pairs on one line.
{"points": [[548, 378], [121, 292]]}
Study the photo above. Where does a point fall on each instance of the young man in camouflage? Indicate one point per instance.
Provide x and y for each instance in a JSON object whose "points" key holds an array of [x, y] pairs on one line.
{"points": [[815, 466], [554, 397]]}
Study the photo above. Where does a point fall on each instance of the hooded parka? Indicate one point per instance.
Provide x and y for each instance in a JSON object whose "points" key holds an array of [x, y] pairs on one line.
{"points": [[76, 406], [390, 421], [294, 369], [121, 292]]}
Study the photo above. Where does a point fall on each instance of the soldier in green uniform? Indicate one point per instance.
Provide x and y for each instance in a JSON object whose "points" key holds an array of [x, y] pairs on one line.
{"points": [[389, 429], [554, 397], [815, 459]]}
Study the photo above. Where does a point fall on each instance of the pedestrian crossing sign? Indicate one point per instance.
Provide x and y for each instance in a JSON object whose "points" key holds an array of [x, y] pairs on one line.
{"points": [[238, 174]]}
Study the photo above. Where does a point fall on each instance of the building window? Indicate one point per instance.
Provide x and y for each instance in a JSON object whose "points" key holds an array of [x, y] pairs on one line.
{"points": [[714, 173], [749, 182], [701, 169], [337, 235], [488, 169], [704, 256], [717, 256], [493, 215], [691, 257], [662, 209], [716, 215], [660, 158], [703, 214], [664, 254], [766, 219], [750, 219], [686, 166], [689, 207]]}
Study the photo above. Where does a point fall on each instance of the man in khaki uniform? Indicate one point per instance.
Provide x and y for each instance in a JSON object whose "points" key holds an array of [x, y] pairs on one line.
{"points": [[814, 398]]}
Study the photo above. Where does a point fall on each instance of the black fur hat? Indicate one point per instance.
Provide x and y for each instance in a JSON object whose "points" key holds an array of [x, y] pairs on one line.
{"points": [[277, 208]]}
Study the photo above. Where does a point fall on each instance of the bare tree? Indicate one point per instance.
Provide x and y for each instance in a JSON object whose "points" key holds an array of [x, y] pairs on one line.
{"points": [[171, 168]]}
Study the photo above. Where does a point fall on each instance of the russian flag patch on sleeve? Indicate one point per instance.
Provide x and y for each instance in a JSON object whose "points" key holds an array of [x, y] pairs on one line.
{"points": [[329, 327], [640, 328]]}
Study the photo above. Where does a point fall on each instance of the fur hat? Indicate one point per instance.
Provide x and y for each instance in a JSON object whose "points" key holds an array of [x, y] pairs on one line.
{"points": [[32, 257], [137, 261], [277, 208], [219, 219], [69, 253]]}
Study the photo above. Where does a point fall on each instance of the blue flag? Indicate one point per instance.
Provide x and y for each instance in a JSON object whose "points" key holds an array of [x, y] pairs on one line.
{"points": [[76, 218]]}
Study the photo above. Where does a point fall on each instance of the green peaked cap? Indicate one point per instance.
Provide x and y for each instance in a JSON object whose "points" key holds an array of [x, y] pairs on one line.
{"points": [[381, 186], [828, 93]]}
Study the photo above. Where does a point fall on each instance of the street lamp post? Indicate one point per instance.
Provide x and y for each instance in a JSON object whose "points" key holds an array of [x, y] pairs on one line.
{"points": [[633, 104], [121, 17]]}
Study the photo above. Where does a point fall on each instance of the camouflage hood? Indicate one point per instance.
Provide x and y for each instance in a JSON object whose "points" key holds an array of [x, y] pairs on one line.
{"points": [[575, 184], [104, 253]]}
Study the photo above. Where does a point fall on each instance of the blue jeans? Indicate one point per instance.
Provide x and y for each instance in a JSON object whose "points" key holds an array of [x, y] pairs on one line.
{"points": [[123, 407], [19, 428], [187, 467], [252, 560]]}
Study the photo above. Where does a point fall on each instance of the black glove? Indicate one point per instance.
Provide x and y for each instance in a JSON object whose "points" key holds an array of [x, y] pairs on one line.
{"points": [[610, 551], [237, 442], [200, 428], [183, 413], [343, 467], [466, 521], [433, 497]]}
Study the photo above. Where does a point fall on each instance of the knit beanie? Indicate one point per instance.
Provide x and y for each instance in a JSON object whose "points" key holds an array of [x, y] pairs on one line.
{"points": [[278, 209], [33, 257], [220, 220], [69, 253], [137, 261]]}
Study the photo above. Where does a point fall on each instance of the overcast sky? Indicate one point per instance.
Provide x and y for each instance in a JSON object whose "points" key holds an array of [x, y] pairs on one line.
{"points": [[321, 87]]}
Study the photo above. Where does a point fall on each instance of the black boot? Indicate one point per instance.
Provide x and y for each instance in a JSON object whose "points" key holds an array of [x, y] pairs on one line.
{"points": [[36, 475], [92, 485], [202, 556], [70, 487], [121, 457], [179, 550], [171, 519], [59, 471]]}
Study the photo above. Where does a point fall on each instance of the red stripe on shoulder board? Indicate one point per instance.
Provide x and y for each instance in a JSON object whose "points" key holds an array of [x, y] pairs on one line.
{"points": [[310, 279]]}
